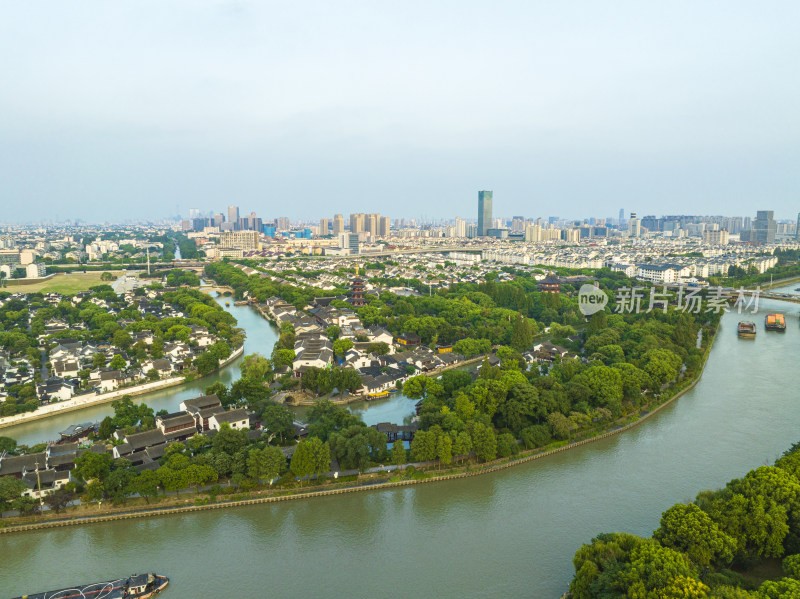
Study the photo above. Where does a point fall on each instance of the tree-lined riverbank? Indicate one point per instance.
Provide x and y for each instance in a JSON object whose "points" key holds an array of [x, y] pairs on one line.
{"points": [[530, 518]]}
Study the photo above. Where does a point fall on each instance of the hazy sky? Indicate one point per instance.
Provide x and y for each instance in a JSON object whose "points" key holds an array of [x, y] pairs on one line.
{"points": [[136, 109]]}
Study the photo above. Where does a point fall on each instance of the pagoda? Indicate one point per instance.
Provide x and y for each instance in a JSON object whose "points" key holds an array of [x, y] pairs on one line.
{"points": [[357, 290]]}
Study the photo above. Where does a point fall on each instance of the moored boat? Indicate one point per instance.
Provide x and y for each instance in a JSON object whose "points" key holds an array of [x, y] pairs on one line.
{"points": [[775, 322], [747, 329], [138, 586]]}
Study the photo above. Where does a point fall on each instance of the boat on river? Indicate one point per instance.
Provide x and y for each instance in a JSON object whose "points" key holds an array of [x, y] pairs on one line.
{"points": [[747, 329], [227, 303], [775, 322], [138, 586]]}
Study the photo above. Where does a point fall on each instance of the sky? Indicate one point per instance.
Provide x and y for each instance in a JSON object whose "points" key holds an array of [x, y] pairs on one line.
{"points": [[143, 109]]}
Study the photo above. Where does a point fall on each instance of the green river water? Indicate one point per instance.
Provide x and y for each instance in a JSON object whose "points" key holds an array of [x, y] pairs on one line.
{"points": [[506, 534]]}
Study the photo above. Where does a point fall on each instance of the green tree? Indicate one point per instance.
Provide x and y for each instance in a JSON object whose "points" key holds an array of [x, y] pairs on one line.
{"points": [[118, 484], [379, 349], [444, 449], [106, 428], [8, 445], [398, 453], [462, 445], [10, 489], [198, 475], [598, 322], [278, 420], [146, 485], [785, 588], [59, 499], [92, 466], [341, 346], [273, 462], [332, 332], [423, 446], [791, 566], [484, 442], [302, 464], [662, 365], [229, 440], [117, 362], [688, 529], [506, 445], [356, 446], [99, 360], [282, 358], [255, 367], [206, 363], [559, 425], [522, 333]]}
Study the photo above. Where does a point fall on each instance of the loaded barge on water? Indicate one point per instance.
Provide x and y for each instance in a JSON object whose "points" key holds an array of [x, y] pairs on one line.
{"points": [[775, 322], [747, 329], [138, 586]]}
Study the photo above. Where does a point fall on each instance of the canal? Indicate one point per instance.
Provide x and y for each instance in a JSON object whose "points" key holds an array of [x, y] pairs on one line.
{"points": [[512, 533]]}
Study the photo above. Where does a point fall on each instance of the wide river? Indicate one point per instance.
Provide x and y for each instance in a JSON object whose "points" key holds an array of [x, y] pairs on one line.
{"points": [[507, 534]]}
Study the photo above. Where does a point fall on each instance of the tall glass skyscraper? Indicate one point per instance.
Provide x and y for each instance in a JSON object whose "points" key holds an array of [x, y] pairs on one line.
{"points": [[765, 227], [484, 212]]}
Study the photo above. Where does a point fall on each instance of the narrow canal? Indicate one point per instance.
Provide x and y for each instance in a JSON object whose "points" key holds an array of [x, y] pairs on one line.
{"points": [[507, 534]]}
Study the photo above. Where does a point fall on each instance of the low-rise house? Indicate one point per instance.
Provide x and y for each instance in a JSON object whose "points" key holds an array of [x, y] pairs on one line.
{"points": [[201, 409], [177, 426], [238, 419], [135, 446], [408, 339], [68, 368], [54, 388], [110, 380], [313, 352]]}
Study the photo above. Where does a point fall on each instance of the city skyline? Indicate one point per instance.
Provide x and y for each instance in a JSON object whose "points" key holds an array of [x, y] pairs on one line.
{"points": [[585, 113]]}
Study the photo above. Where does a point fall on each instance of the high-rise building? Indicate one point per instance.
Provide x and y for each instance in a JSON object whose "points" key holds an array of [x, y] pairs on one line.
{"points": [[533, 233], [282, 223], [323, 227], [797, 231], [219, 218], [764, 227], [621, 217], [716, 237], [634, 226], [249, 223], [385, 226], [371, 223], [461, 227], [233, 214], [353, 243], [357, 223], [240, 240], [338, 225], [484, 212]]}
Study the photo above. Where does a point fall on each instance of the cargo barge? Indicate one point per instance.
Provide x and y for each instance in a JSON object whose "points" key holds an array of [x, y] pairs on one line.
{"points": [[138, 586], [747, 329], [775, 322]]}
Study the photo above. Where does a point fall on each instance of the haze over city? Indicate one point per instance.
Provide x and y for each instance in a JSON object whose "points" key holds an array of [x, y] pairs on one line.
{"points": [[145, 110]]}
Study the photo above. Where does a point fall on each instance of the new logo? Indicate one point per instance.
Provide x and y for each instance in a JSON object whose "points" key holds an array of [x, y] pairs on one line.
{"points": [[591, 299]]}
